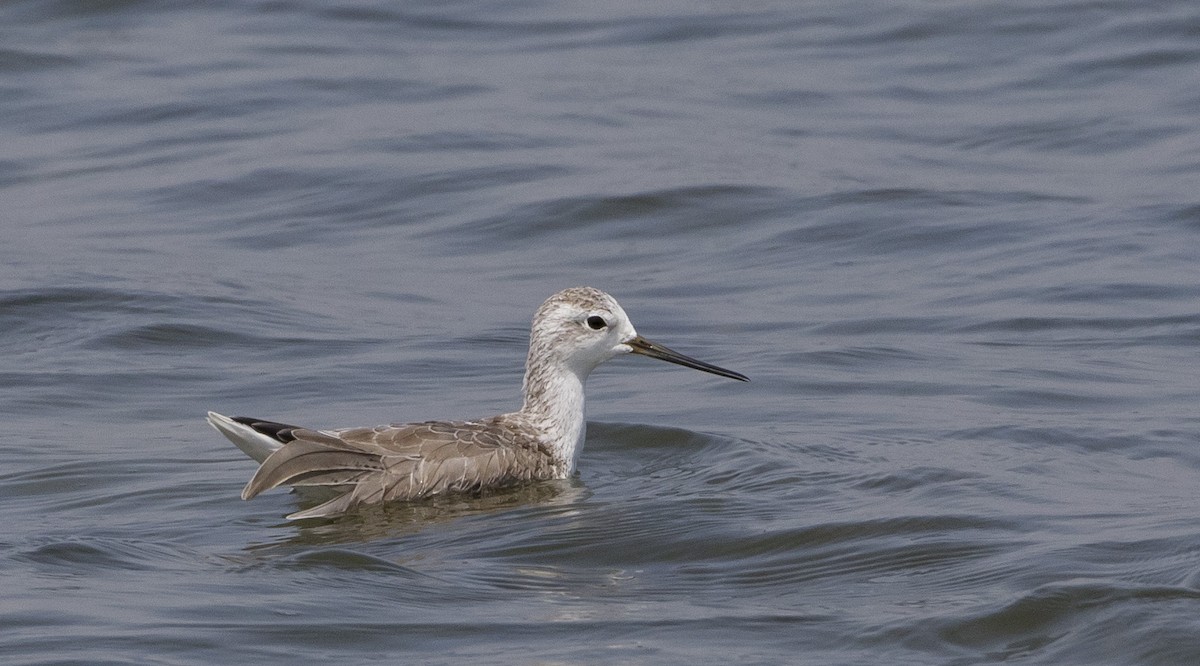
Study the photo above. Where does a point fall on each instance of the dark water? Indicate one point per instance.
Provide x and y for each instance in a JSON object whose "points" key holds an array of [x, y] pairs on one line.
{"points": [[955, 245]]}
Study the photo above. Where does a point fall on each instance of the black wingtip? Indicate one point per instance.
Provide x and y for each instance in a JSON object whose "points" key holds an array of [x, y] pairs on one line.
{"points": [[278, 431]]}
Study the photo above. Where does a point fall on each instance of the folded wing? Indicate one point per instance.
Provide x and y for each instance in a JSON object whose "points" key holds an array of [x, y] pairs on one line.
{"points": [[402, 462]]}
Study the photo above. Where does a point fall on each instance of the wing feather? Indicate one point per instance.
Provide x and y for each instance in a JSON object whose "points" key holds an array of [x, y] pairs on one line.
{"points": [[404, 462], [304, 461]]}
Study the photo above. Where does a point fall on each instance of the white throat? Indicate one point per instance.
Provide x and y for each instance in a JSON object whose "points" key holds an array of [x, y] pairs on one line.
{"points": [[554, 405]]}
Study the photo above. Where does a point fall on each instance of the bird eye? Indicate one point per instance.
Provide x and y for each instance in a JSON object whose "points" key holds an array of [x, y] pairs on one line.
{"points": [[596, 322]]}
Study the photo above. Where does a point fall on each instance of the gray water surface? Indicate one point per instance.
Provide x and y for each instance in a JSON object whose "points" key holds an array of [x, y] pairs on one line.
{"points": [[955, 245]]}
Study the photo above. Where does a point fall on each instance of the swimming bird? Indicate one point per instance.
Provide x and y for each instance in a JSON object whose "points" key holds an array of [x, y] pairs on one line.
{"points": [[574, 331]]}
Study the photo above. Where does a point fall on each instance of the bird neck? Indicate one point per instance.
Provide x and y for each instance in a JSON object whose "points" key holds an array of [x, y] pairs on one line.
{"points": [[554, 405]]}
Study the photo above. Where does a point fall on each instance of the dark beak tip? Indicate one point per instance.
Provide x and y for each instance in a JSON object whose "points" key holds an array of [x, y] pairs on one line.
{"points": [[644, 347]]}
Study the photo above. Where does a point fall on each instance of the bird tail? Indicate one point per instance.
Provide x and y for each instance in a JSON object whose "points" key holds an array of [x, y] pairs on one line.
{"points": [[258, 445], [315, 459]]}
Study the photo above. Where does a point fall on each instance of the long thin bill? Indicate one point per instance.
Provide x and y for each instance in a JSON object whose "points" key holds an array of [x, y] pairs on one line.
{"points": [[642, 346]]}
